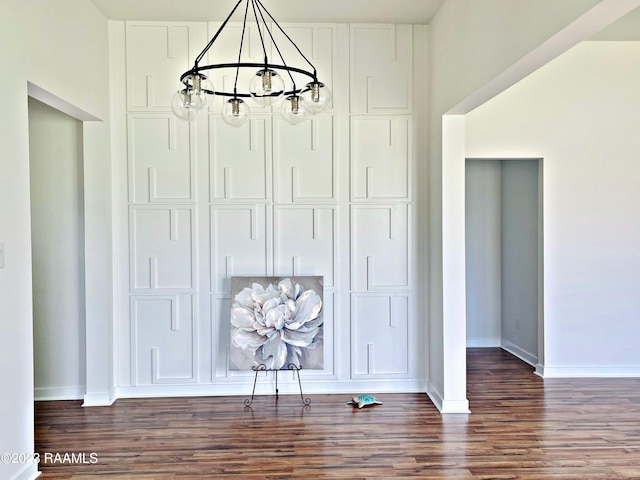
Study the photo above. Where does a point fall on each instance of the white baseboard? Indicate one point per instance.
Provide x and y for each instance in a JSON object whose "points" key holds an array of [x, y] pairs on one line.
{"points": [[285, 387], [42, 394], [455, 406], [105, 399], [523, 355], [435, 396], [594, 371], [447, 406], [483, 342], [27, 472]]}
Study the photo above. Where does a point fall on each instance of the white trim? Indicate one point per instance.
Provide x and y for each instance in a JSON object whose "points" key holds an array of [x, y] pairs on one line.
{"points": [[483, 342], [98, 399], [447, 406], [42, 394], [592, 21], [595, 371], [40, 94], [286, 386], [27, 472], [523, 355], [455, 406], [435, 396]]}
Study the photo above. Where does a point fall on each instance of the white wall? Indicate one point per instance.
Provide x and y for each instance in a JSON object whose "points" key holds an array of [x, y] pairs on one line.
{"points": [[483, 252], [42, 42], [337, 196], [57, 242], [472, 47], [578, 113], [478, 50], [519, 258]]}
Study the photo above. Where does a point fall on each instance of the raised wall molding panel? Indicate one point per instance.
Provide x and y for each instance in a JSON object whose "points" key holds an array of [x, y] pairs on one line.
{"points": [[240, 160], [319, 45], [161, 152], [157, 54], [304, 161], [305, 242], [330, 307], [381, 158], [238, 244], [221, 337], [225, 50], [381, 69], [200, 202], [163, 339], [162, 248], [380, 343], [380, 248]]}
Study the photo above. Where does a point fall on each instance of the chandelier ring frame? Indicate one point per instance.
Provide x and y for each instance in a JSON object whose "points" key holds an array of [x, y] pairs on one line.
{"points": [[262, 66]]}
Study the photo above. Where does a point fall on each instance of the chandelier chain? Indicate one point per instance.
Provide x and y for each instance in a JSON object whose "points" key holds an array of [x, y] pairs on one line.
{"points": [[288, 38], [273, 42], [215, 37], [264, 48], [244, 26]]}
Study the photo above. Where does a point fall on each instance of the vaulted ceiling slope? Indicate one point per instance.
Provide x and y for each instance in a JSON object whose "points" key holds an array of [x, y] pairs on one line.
{"points": [[325, 11]]}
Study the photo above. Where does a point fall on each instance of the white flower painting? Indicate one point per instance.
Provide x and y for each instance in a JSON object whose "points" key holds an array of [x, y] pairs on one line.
{"points": [[276, 321]]}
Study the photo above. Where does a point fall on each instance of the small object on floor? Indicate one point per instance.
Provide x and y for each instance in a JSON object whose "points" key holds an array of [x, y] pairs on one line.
{"points": [[363, 400]]}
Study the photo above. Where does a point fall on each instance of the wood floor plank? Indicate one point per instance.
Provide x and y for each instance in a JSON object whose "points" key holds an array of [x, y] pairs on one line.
{"points": [[522, 427]]}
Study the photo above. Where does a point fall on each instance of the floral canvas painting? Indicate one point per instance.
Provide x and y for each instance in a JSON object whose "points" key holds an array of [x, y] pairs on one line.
{"points": [[276, 321]]}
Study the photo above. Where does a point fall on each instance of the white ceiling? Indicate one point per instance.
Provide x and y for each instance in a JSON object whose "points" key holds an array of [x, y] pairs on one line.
{"points": [[316, 11], [625, 29], [321, 11]]}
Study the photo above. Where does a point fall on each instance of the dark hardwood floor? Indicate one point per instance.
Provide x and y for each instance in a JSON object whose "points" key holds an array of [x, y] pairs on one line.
{"points": [[521, 428]]}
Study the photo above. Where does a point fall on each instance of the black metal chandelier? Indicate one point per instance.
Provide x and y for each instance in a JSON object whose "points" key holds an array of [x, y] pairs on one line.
{"points": [[265, 88]]}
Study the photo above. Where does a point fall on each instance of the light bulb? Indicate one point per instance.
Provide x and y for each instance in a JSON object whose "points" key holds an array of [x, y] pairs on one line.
{"points": [[201, 87], [316, 97], [193, 98], [266, 87], [293, 111], [236, 112], [186, 106]]}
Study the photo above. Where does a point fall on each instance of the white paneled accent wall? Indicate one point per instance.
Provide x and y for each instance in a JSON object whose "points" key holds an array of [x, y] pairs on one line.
{"points": [[380, 327], [238, 238], [162, 170], [201, 202], [162, 248], [240, 160], [305, 168], [380, 253], [381, 158], [153, 50], [163, 329], [381, 69]]}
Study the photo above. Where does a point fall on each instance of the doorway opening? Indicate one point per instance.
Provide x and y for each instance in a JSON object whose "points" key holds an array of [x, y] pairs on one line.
{"points": [[58, 264], [504, 263]]}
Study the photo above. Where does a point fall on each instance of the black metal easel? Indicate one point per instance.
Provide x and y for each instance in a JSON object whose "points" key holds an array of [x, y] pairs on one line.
{"points": [[263, 368]]}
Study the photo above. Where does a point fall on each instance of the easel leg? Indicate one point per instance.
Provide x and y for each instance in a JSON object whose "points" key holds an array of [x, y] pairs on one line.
{"points": [[247, 401], [263, 368], [305, 401], [259, 368]]}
